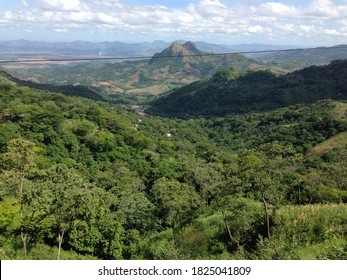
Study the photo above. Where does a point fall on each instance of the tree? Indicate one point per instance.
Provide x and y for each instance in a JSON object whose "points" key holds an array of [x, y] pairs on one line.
{"points": [[97, 229], [225, 75], [338, 171], [262, 172], [69, 192], [137, 212], [19, 160], [176, 201], [224, 197], [206, 177], [228, 192], [8, 131]]}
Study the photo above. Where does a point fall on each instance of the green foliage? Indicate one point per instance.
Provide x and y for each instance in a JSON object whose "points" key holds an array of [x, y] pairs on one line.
{"points": [[307, 232], [127, 82], [8, 131], [254, 91], [9, 215], [98, 181], [161, 246], [298, 59], [176, 201], [225, 75], [137, 212]]}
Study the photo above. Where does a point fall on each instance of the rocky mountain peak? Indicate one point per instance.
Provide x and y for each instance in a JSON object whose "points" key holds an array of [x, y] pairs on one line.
{"points": [[178, 49], [191, 47]]}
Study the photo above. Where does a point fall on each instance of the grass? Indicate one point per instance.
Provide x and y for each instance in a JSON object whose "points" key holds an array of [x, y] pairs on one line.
{"points": [[337, 141], [307, 232], [153, 90], [339, 112]]}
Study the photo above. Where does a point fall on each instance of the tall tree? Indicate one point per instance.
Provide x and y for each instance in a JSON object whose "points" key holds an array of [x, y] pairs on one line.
{"points": [[176, 200], [69, 192], [206, 177], [263, 171], [19, 160]]}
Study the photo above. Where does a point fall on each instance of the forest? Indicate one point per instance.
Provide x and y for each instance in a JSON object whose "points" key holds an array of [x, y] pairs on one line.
{"points": [[231, 91], [89, 179]]}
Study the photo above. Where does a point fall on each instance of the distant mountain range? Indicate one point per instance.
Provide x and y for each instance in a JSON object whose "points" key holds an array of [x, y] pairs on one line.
{"points": [[80, 48], [297, 59], [25, 48], [290, 60], [177, 65], [170, 66]]}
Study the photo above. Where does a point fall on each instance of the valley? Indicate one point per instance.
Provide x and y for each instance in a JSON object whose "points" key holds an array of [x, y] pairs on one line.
{"points": [[177, 65], [184, 155]]}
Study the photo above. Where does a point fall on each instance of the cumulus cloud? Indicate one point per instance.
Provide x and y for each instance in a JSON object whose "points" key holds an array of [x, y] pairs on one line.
{"points": [[256, 28], [274, 8], [308, 28], [325, 9], [61, 30], [59, 5], [200, 18]]}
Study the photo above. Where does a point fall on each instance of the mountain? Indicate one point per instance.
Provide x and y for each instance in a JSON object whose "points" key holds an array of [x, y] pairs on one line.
{"points": [[79, 48], [178, 49], [68, 90], [297, 59], [125, 187], [290, 60], [40, 48], [224, 48], [231, 91], [187, 51], [178, 65]]}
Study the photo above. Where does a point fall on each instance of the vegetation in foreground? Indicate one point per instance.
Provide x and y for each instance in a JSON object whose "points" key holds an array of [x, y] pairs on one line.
{"points": [[83, 179]]}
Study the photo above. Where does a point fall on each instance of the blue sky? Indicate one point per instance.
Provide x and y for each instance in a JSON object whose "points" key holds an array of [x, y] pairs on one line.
{"points": [[306, 22]]}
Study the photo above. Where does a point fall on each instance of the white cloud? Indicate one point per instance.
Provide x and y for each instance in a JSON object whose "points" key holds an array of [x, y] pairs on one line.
{"points": [[324, 9], [307, 28], [61, 30], [288, 28], [81, 16], [65, 5], [105, 18], [334, 32], [256, 28], [208, 8], [200, 18], [279, 8]]}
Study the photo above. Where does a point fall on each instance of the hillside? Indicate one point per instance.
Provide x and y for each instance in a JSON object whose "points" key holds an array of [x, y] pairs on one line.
{"points": [[69, 90], [85, 179], [186, 53], [233, 92], [297, 59], [160, 197], [147, 77]]}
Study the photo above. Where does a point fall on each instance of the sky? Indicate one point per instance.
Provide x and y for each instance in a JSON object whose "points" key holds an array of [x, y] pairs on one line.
{"points": [[286, 22]]}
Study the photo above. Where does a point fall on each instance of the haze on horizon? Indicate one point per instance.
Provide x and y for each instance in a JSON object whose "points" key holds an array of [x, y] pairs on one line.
{"points": [[290, 22]]}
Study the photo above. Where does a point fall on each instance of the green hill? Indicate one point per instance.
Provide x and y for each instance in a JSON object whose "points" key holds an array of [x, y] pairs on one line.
{"points": [[85, 179], [297, 59], [234, 92], [69, 90]]}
